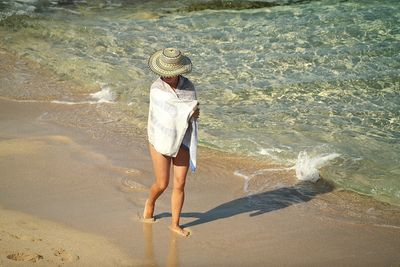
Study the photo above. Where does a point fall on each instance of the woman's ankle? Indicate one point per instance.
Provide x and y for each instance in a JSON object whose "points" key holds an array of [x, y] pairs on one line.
{"points": [[148, 211]]}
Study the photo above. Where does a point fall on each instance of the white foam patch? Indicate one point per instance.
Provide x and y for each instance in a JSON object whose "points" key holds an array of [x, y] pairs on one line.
{"points": [[73, 103], [105, 95], [307, 168], [271, 152], [246, 179], [66, 10], [268, 151]]}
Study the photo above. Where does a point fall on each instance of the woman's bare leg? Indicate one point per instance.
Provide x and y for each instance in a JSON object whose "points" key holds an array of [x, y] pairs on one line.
{"points": [[161, 165], [181, 166]]}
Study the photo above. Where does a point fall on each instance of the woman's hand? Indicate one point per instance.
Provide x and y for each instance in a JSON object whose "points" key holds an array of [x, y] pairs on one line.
{"points": [[196, 113]]}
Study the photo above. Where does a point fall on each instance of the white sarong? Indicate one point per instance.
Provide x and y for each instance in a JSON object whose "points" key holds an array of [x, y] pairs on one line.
{"points": [[170, 116]]}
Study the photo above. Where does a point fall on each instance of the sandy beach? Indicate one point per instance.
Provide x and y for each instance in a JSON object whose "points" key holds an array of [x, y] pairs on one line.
{"points": [[73, 185]]}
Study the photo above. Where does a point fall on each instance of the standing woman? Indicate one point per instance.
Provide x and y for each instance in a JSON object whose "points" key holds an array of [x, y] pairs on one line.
{"points": [[172, 130]]}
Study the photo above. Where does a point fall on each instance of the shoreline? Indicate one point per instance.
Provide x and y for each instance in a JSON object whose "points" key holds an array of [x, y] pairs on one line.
{"points": [[252, 165], [107, 115], [93, 177]]}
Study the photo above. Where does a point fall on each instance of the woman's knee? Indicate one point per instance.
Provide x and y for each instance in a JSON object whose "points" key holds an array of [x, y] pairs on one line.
{"points": [[179, 183], [161, 186]]}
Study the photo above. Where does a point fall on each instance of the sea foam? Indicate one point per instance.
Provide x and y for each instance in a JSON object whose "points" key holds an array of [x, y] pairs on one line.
{"points": [[72, 103], [105, 95], [307, 168]]}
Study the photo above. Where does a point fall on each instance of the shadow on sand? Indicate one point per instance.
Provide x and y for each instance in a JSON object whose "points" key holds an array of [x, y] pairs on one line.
{"points": [[259, 203]]}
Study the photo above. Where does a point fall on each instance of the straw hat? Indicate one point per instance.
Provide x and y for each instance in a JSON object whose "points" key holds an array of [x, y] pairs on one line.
{"points": [[169, 62]]}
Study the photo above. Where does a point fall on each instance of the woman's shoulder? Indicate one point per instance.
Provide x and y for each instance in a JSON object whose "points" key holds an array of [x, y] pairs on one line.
{"points": [[156, 83]]}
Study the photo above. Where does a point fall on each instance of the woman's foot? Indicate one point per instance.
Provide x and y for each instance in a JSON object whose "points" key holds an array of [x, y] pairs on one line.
{"points": [[148, 211], [179, 230]]}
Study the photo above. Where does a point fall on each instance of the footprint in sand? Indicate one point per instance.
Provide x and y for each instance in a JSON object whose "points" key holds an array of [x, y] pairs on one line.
{"points": [[130, 185], [65, 256], [25, 256], [25, 237]]}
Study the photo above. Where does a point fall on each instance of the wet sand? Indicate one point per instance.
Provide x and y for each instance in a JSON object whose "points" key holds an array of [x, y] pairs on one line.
{"points": [[73, 182]]}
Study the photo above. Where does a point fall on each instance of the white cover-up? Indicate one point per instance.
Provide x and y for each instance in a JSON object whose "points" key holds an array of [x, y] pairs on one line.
{"points": [[169, 123]]}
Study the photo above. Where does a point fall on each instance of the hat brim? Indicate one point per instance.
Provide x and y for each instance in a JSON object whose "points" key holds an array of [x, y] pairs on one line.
{"points": [[185, 66]]}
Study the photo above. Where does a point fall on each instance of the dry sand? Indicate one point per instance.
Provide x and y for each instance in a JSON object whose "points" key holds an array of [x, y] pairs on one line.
{"points": [[27, 240], [72, 187]]}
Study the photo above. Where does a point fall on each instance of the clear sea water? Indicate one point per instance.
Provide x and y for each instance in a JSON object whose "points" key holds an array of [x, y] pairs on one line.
{"points": [[314, 84]]}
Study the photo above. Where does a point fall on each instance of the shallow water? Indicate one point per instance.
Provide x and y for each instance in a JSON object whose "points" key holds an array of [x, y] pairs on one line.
{"points": [[290, 82]]}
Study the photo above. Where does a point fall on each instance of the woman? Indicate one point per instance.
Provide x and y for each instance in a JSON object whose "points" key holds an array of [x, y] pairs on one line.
{"points": [[172, 130]]}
